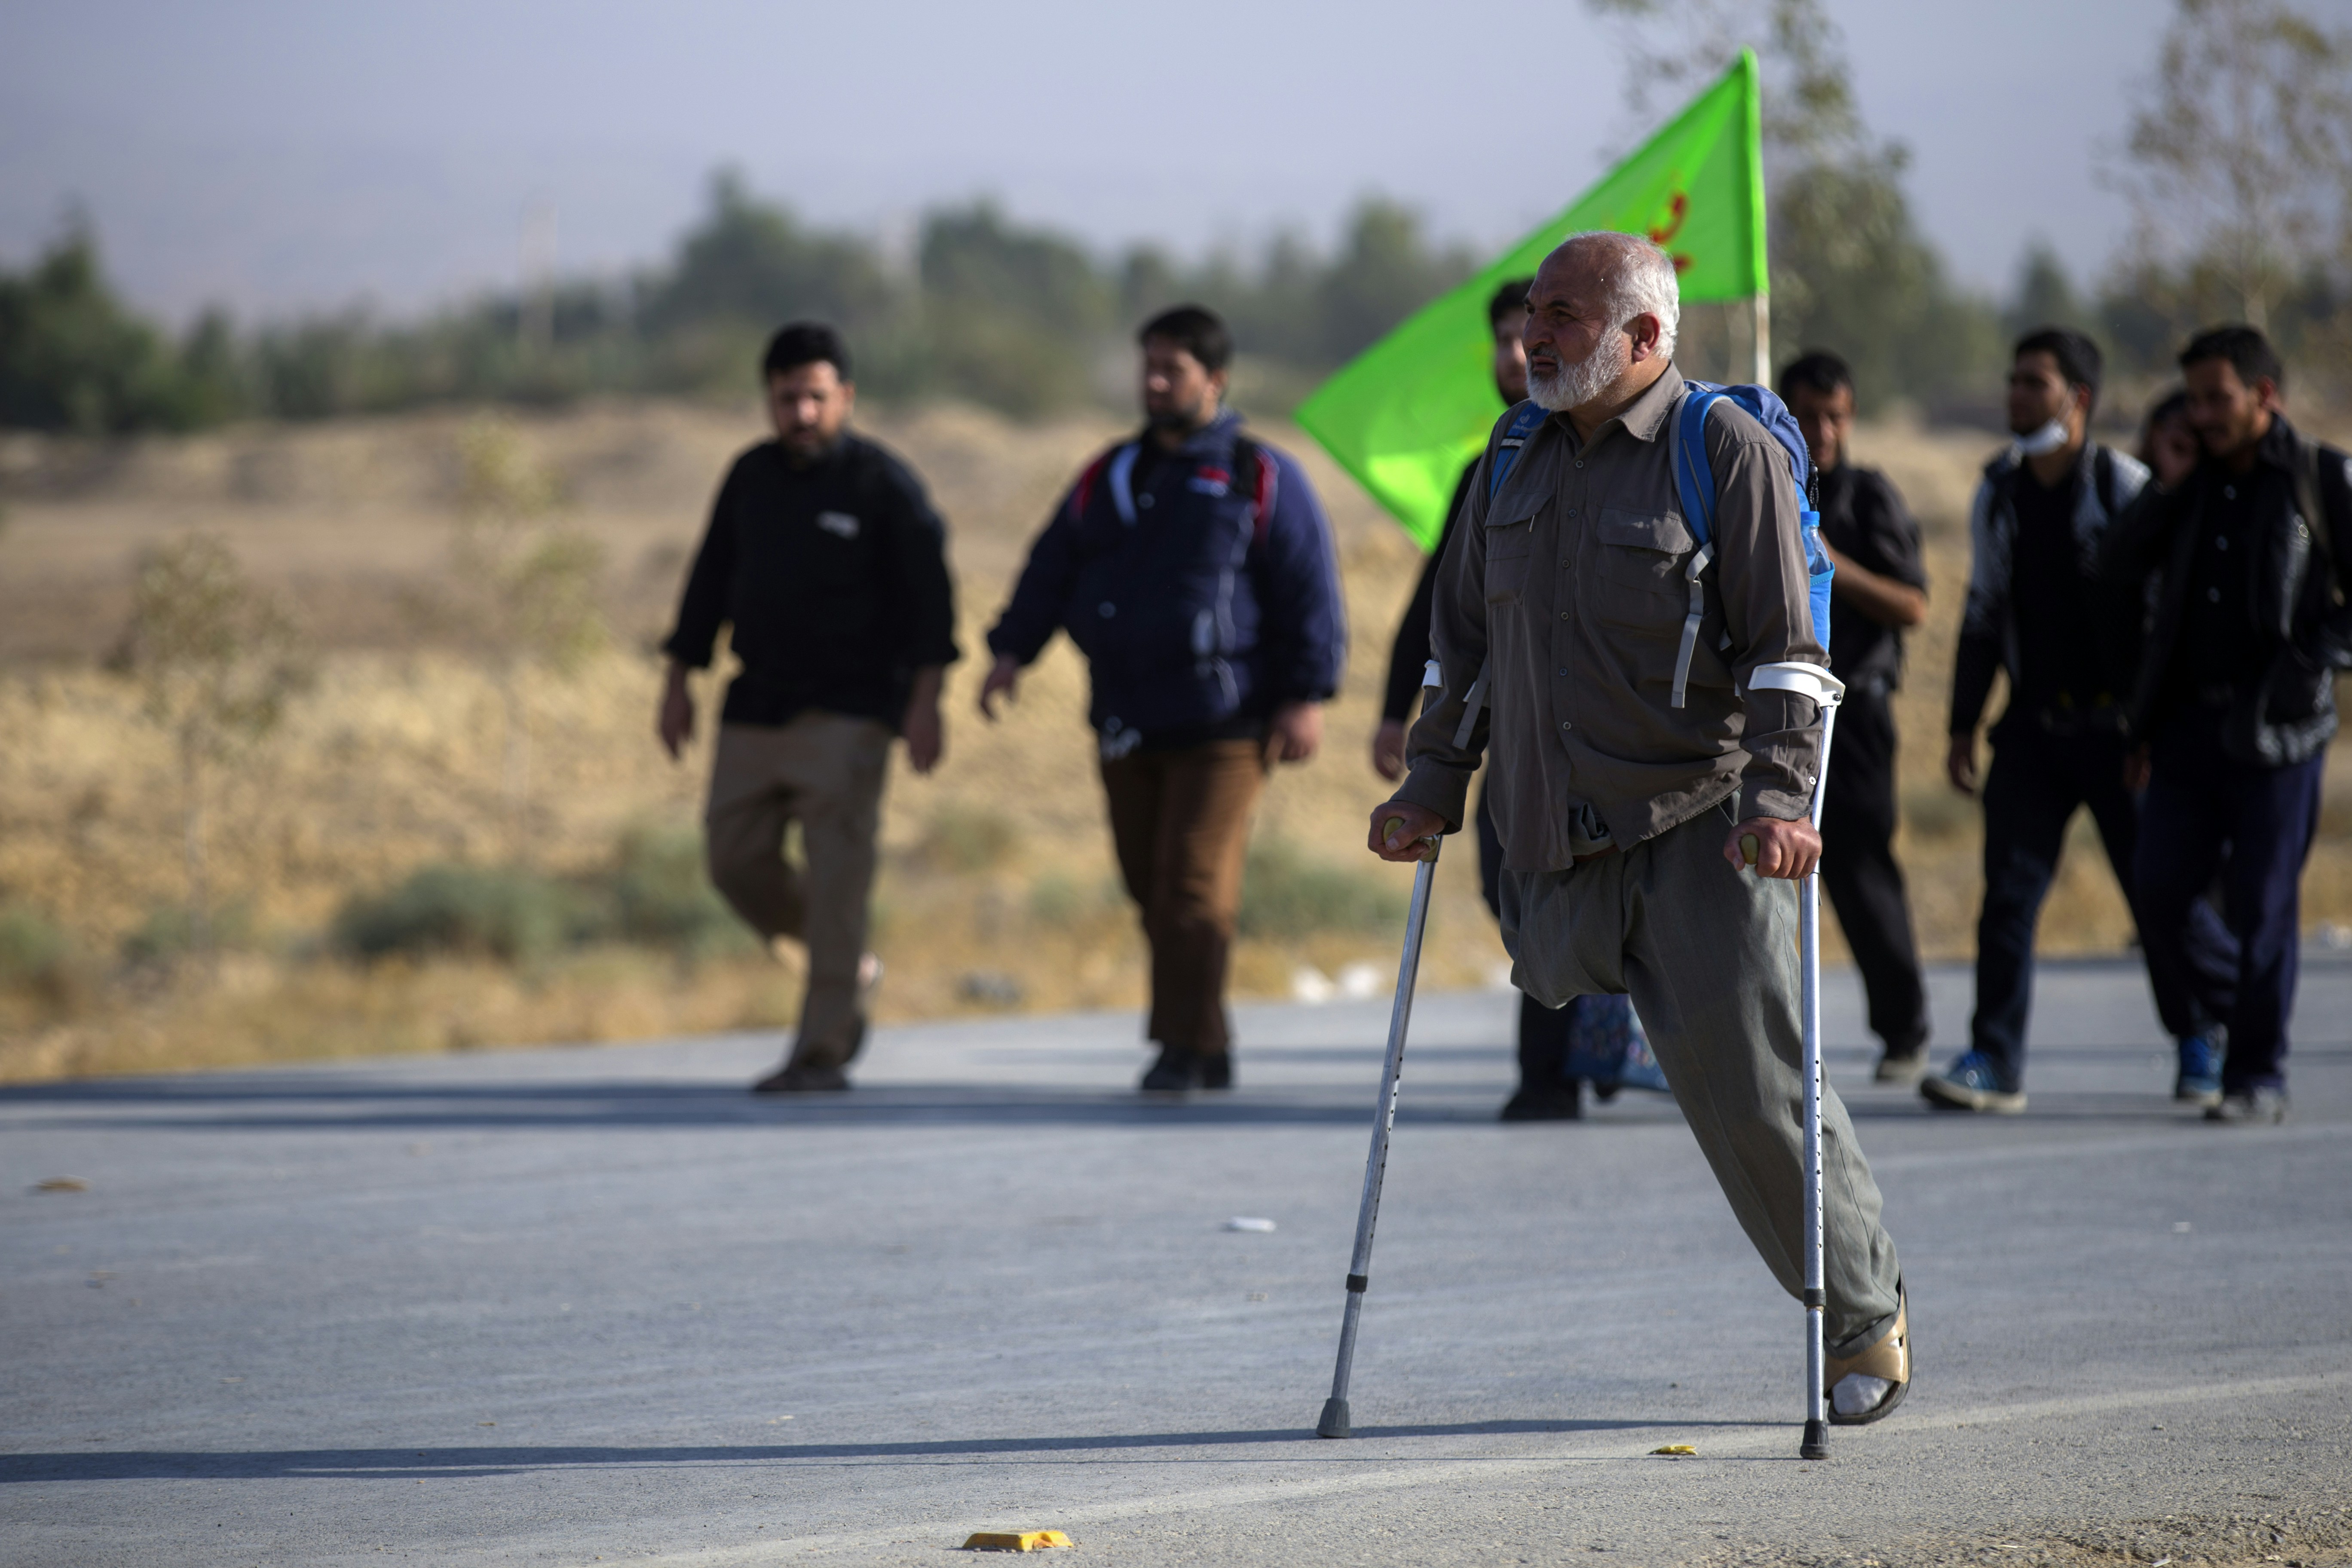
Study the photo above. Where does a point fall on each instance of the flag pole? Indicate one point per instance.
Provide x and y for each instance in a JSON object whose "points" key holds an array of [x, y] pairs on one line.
{"points": [[1761, 307]]}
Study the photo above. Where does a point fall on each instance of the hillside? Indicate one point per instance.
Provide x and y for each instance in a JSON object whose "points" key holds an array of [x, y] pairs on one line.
{"points": [[997, 889]]}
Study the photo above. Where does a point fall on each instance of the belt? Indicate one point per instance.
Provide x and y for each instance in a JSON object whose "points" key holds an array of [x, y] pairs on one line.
{"points": [[1596, 854], [2103, 718]]}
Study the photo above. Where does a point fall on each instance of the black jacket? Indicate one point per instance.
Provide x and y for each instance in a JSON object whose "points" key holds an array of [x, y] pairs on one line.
{"points": [[2106, 483], [1864, 518], [2296, 583], [835, 577], [1409, 652]]}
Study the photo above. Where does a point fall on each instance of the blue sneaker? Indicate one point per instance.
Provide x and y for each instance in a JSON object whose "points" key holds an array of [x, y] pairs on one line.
{"points": [[2199, 1081], [1972, 1084]]}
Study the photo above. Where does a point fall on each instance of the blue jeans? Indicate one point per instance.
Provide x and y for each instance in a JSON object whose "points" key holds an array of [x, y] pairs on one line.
{"points": [[2207, 813]]}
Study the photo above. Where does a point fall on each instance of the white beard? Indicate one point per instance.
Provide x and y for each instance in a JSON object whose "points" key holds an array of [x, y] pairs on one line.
{"points": [[1583, 382]]}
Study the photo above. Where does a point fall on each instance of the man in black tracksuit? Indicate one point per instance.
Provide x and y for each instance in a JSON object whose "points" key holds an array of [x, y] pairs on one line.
{"points": [[2235, 699], [826, 560], [2035, 531], [1880, 589]]}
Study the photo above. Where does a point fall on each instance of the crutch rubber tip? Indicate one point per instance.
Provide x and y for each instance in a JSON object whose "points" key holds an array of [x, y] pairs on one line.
{"points": [[1816, 1445], [1334, 1419]]}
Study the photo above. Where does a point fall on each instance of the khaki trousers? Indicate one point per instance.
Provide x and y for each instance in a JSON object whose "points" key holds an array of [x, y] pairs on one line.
{"points": [[1180, 822], [825, 771], [1709, 955]]}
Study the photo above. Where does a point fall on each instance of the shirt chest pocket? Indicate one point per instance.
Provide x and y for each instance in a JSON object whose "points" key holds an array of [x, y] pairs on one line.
{"points": [[1511, 548], [1641, 550]]}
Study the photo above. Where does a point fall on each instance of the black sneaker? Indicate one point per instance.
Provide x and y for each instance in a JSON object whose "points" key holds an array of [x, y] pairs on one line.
{"points": [[1551, 1102], [1175, 1073], [1217, 1071], [789, 1080]]}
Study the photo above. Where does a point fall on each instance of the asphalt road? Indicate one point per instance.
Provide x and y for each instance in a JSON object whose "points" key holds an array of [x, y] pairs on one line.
{"points": [[598, 1304]]}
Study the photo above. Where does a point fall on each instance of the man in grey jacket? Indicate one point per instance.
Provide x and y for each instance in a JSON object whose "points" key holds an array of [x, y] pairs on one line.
{"points": [[1562, 602], [2036, 530]]}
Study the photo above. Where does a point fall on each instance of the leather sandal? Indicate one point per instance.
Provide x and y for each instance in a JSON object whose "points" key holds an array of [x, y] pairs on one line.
{"points": [[1889, 1360]]}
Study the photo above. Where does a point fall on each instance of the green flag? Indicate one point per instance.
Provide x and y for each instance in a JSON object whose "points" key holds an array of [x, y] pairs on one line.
{"points": [[1407, 413]]}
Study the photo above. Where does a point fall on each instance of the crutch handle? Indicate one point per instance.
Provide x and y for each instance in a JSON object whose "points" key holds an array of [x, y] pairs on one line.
{"points": [[1748, 847], [1428, 840]]}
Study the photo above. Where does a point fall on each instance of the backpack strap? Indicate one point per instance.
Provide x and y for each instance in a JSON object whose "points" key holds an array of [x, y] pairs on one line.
{"points": [[1261, 481], [2308, 497], [2102, 480], [1694, 487], [1084, 490], [1525, 420], [1122, 481]]}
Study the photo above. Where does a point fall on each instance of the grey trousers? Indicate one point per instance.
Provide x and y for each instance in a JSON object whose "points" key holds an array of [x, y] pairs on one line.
{"points": [[1709, 955]]}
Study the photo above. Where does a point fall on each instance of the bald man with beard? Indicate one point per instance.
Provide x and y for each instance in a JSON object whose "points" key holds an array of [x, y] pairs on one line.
{"points": [[1621, 814]]}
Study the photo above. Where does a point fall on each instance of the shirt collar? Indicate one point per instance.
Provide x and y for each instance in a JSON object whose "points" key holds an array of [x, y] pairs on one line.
{"points": [[1645, 416], [1212, 437], [2276, 449], [2277, 446]]}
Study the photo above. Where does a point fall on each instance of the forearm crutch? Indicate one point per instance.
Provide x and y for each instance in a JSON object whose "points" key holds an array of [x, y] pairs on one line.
{"points": [[1827, 692], [1334, 1423]]}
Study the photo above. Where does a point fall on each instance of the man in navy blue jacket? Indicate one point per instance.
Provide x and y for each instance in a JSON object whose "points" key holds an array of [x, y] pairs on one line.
{"points": [[1193, 568]]}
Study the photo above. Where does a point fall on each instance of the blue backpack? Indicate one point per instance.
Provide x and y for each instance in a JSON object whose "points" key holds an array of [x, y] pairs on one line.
{"points": [[1695, 484]]}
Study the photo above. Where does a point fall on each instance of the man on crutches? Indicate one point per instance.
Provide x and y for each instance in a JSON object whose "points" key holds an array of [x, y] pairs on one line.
{"points": [[1655, 763]]}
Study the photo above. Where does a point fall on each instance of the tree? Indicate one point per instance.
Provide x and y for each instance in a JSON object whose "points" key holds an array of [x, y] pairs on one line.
{"points": [[1850, 269], [2238, 155], [2045, 295], [750, 262], [520, 594], [73, 357], [217, 660], [1385, 271]]}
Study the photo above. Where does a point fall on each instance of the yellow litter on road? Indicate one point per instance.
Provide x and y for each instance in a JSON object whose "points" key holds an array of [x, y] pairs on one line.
{"points": [[1677, 1448], [1009, 1540]]}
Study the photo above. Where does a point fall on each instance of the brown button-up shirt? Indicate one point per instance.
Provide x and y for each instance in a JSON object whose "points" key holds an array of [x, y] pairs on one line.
{"points": [[1567, 590]]}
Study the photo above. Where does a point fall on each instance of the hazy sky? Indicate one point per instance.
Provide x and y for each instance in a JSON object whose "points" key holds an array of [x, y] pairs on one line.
{"points": [[280, 156]]}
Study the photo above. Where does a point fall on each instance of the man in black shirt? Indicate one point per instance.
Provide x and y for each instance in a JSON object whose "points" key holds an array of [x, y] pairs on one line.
{"points": [[1881, 588], [2235, 697], [827, 561], [1546, 1091], [2036, 530]]}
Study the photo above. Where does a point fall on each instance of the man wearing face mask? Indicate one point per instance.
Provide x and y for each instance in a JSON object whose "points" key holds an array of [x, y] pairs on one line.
{"points": [[2236, 695], [2035, 530], [1193, 568], [1558, 627]]}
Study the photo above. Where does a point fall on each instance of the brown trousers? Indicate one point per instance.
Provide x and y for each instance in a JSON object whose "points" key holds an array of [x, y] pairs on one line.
{"points": [[1180, 822], [825, 771]]}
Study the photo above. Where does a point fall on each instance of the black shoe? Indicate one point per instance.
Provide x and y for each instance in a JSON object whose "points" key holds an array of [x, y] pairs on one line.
{"points": [[1217, 1071], [789, 1080], [1549, 1103], [1175, 1073]]}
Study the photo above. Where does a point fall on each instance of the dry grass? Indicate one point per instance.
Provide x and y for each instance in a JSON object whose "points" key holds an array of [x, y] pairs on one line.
{"points": [[998, 885]]}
